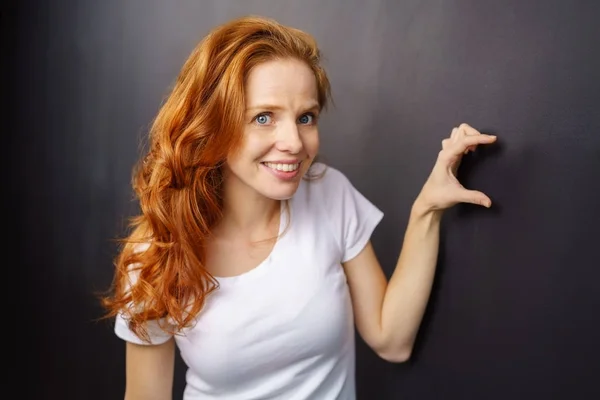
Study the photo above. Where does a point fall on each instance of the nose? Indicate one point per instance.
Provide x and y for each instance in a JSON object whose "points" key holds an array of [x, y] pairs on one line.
{"points": [[289, 139]]}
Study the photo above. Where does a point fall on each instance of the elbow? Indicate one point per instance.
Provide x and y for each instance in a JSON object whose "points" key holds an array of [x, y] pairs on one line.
{"points": [[393, 349], [395, 356]]}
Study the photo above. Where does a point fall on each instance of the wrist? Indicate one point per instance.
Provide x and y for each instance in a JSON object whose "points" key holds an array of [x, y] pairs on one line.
{"points": [[422, 209]]}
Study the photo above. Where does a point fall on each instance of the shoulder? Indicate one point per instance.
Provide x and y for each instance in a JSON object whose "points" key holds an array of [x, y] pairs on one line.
{"points": [[320, 170], [329, 189], [330, 186], [326, 180], [351, 216]]}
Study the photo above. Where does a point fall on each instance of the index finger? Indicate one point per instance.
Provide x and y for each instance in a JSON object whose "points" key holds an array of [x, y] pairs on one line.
{"points": [[469, 130], [473, 140]]}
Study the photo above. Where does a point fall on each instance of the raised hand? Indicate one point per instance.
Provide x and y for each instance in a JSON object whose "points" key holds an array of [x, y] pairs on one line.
{"points": [[442, 189]]}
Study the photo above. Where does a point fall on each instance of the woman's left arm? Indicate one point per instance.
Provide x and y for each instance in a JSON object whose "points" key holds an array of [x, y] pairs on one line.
{"points": [[388, 314]]}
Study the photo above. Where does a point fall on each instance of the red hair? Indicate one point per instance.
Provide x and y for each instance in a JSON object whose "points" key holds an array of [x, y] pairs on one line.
{"points": [[178, 181]]}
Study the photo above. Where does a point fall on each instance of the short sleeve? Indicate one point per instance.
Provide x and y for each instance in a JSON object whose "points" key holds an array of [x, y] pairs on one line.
{"points": [[352, 216], [155, 332]]}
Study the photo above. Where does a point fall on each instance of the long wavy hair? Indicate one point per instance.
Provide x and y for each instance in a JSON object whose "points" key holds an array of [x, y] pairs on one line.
{"points": [[159, 270]]}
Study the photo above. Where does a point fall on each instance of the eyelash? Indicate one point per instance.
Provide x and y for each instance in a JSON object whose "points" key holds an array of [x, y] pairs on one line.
{"points": [[270, 114]]}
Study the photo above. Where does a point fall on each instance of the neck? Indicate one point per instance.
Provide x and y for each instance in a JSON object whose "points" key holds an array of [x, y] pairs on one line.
{"points": [[245, 211]]}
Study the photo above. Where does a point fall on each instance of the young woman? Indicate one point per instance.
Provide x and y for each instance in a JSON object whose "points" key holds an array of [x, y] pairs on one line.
{"points": [[249, 256]]}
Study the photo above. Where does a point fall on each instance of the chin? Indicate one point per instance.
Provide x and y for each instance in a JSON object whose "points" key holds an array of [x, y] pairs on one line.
{"points": [[285, 192]]}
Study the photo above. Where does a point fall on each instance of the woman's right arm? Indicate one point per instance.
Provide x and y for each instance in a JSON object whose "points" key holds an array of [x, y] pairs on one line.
{"points": [[149, 371]]}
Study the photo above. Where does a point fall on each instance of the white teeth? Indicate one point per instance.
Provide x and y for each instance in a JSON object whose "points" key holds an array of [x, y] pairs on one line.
{"points": [[283, 167]]}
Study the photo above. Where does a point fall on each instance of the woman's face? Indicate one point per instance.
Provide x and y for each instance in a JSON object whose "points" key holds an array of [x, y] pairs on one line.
{"points": [[281, 137]]}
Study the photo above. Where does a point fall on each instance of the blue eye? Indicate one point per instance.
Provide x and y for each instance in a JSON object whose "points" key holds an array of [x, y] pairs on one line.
{"points": [[306, 119], [263, 119]]}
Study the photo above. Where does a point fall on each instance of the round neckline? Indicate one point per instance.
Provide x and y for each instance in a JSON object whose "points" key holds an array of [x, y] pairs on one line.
{"points": [[259, 269]]}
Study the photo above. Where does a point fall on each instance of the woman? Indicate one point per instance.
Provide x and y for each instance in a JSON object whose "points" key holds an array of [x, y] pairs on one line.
{"points": [[251, 258]]}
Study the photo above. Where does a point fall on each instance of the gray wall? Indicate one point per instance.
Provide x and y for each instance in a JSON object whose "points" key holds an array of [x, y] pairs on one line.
{"points": [[514, 313]]}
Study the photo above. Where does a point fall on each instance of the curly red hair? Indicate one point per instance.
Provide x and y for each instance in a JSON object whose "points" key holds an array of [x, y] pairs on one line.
{"points": [[178, 181]]}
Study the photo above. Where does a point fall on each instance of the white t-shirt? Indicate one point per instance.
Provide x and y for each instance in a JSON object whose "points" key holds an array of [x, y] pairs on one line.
{"points": [[285, 329]]}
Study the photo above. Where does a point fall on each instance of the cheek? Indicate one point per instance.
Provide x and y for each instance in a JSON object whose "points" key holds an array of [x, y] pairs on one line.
{"points": [[253, 147], [311, 143]]}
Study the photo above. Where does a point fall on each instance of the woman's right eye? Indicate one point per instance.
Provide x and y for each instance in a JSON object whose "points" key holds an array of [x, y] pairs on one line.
{"points": [[263, 119]]}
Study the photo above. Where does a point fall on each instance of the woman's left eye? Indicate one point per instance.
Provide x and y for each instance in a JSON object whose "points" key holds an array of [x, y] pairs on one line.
{"points": [[306, 119]]}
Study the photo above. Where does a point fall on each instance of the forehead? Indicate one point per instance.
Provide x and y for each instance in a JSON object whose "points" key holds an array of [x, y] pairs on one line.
{"points": [[281, 82]]}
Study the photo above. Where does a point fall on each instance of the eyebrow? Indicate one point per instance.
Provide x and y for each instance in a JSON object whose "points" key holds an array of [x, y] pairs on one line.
{"points": [[271, 107]]}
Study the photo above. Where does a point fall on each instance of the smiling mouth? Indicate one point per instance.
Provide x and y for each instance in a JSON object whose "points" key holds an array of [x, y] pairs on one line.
{"points": [[282, 167]]}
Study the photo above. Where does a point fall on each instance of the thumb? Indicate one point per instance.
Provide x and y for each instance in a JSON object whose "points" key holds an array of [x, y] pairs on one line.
{"points": [[476, 197]]}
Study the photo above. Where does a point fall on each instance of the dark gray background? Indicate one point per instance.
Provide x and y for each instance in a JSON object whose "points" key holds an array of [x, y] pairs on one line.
{"points": [[514, 313]]}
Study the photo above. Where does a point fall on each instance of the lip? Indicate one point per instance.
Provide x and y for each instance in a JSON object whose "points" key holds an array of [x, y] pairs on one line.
{"points": [[283, 175], [283, 161]]}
